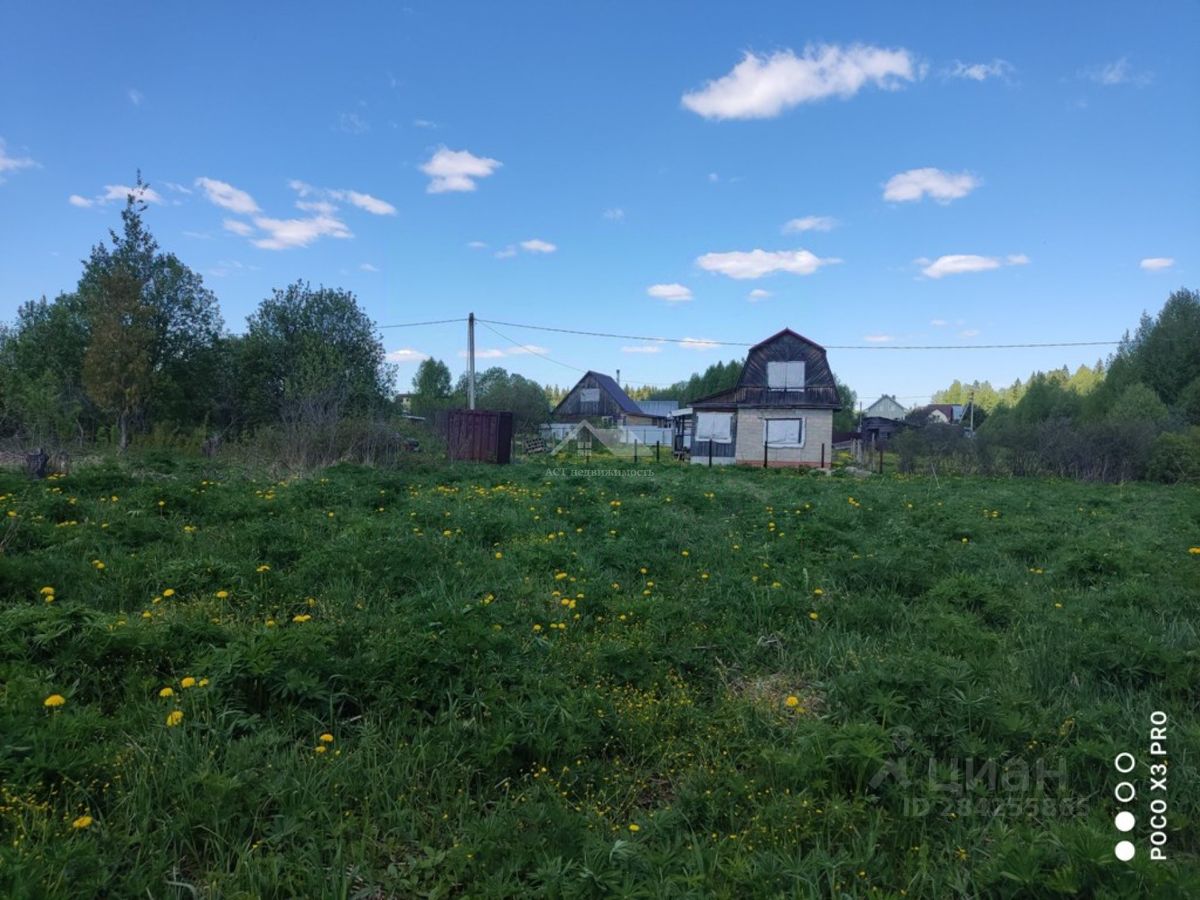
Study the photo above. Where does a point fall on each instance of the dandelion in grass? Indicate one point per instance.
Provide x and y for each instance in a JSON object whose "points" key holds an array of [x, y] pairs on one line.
{"points": [[817, 592], [47, 591], [203, 682], [188, 682], [174, 718], [84, 821], [814, 615], [1194, 551], [635, 827], [166, 692], [222, 595], [54, 701], [326, 738], [263, 568], [304, 617], [169, 592], [320, 748]]}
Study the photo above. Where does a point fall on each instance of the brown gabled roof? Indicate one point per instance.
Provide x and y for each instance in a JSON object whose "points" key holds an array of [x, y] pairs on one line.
{"points": [[780, 334]]}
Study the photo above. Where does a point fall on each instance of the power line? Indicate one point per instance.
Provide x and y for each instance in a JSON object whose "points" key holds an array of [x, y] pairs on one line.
{"points": [[705, 342], [433, 322]]}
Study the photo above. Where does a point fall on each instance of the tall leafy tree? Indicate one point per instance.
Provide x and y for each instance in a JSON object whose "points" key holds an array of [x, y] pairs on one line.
{"points": [[117, 366]]}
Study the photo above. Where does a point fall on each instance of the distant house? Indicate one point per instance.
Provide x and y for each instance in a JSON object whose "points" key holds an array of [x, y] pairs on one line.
{"points": [[882, 420], [937, 414], [598, 399], [780, 413]]}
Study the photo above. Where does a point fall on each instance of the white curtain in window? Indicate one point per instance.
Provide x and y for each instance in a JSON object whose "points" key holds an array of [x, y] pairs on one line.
{"points": [[714, 426], [784, 432], [589, 395], [785, 376]]}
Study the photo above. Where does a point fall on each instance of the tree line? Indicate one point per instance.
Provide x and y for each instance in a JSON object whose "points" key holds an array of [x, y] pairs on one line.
{"points": [[1135, 415], [140, 347]]}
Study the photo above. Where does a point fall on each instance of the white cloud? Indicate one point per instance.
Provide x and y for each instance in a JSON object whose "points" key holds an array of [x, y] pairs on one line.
{"points": [[477, 245], [939, 323], [614, 214], [1117, 72], [136, 97], [969, 332], [456, 170], [366, 202], [713, 177], [81, 202], [178, 188], [642, 348], [809, 223], [761, 87], [367, 267], [535, 245], [406, 355], [480, 353], [961, 263], [287, 233], [120, 192], [878, 338], [322, 207], [689, 343], [1157, 263], [757, 263], [997, 68], [758, 294], [13, 163], [225, 195], [507, 253], [238, 227], [941, 186], [353, 123], [524, 349], [673, 292], [424, 123]]}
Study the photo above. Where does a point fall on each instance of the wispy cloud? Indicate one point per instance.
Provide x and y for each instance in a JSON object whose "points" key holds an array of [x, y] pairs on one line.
{"points": [[997, 68], [1156, 263], [915, 184], [13, 163], [963, 263], [757, 263], [758, 294], [878, 338], [367, 267], [424, 123], [969, 333], [761, 87], [689, 343], [809, 223], [642, 348], [406, 355], [938, 323], [81, 202], [672, 293], [353, 123], [477, 245], [116, 193], [226, 196], [135, 96], [238, 227], [498, 353], [284, 234], [537, 245], [1116, 72], [363, 201], [456, 170], [614, 214], [506, 253]]}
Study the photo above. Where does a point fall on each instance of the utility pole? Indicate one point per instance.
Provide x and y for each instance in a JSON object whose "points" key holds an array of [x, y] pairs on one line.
{"points": [[972, 412], [618, 377], [471, 361]]}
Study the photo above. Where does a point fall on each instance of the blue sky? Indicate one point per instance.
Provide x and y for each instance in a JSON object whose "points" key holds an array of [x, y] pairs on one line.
{"points": [[952, 174]]}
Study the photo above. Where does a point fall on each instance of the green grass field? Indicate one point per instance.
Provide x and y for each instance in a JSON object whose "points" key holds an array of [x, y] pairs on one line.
{"points": [[690, 682]]}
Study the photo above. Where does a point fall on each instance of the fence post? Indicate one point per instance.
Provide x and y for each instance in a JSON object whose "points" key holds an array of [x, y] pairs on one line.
{"points": [[822, 454], [657, 445], [710, 443], [764, 448], [635, 451]]}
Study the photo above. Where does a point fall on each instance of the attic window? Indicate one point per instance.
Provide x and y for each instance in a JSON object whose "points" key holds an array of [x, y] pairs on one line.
{"points": [[785, 376], [589, 395]]}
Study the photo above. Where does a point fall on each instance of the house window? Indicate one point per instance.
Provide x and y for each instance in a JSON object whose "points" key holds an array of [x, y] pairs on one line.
{"points": [[786, 376], [714, 426], [783, 432]]}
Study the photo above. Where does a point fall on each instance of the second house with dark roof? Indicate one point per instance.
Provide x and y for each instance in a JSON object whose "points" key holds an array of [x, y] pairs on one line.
{"points": [[598, 399]]}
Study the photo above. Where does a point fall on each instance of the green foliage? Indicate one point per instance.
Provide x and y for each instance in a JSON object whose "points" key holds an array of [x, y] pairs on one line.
{"points": [[1176, 457], [957, 621], [717, 377], [431, 387], [496, 388]]}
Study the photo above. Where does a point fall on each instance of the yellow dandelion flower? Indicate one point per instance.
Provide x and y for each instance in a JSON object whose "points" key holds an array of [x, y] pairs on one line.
{"points": [[47, 590], [84, 821], [166, 692], [792, 701], [684, 553], [635, 827], [499, 555], [559, 576], [320, 748], [221, 595], [263, 568], [814, 615], [817, 592], [302, 618], [174, 717], [169, 592], [1195, 551], [188, 682], [537, 628], [326, 738], [54, 700], [203, 682]]}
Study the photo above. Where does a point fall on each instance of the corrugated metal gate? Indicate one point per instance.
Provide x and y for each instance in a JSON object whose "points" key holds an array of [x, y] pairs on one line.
{"points": [[483, 435]]}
